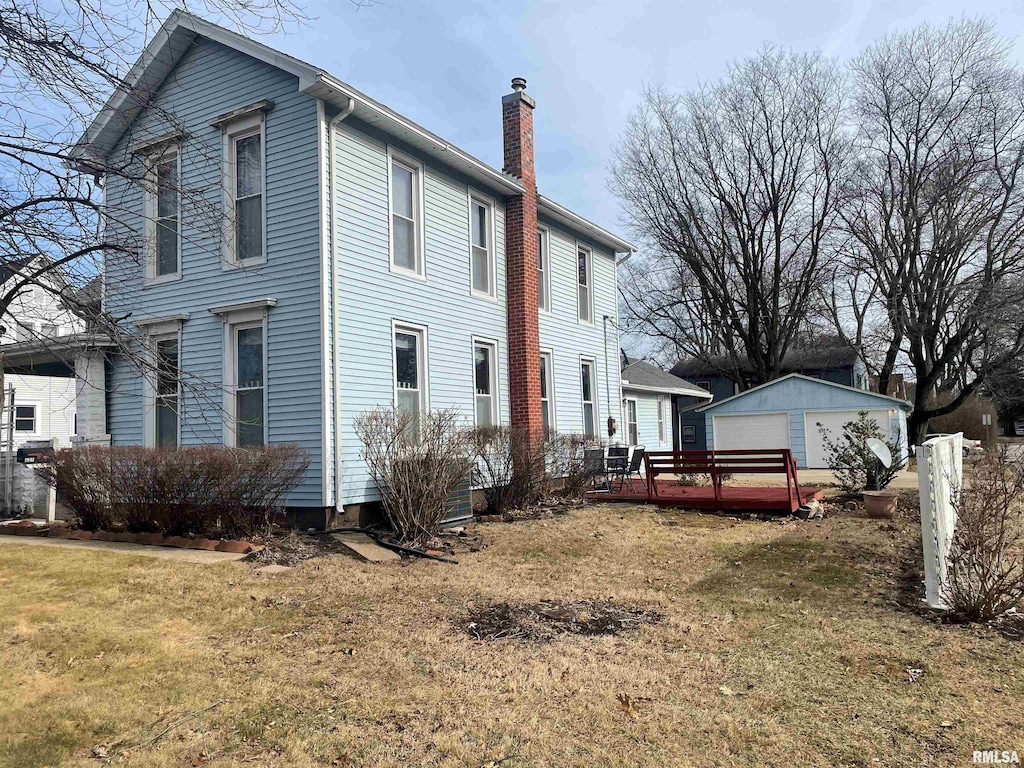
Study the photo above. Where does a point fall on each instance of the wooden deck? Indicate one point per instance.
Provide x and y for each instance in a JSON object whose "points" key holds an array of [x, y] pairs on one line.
{"points": [[670, 494]]}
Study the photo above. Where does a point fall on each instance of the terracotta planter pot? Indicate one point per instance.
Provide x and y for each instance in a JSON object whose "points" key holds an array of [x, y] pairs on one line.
{"points": [[880, 504]]}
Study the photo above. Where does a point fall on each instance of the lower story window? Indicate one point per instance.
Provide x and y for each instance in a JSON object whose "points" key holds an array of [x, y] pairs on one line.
{"points": [[410, 369], [662, 407], [689, 433], [589, 389], [485, 383], [166, 405], [547, 403], [249, 386], [632, 425]]}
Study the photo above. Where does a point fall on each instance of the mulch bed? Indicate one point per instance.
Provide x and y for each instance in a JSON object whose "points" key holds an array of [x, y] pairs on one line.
{"points": [[549, 618]]}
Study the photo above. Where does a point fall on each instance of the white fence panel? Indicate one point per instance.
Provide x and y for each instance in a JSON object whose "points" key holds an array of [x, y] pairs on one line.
{"points": [[940, 471]]}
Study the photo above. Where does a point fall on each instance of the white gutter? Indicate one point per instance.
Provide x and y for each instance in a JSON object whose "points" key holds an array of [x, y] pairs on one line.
{"points": [[335, 298]]}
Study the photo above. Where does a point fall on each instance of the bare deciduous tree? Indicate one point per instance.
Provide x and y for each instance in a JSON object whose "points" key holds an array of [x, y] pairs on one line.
{"points": [[735, 188], [937, 207]]}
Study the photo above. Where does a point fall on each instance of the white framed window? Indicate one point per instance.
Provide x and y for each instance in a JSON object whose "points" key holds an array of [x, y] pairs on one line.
{"points": [[246, 356], [485, 382], [245, 181], [629, 415], [162, 427], [543, 270], [661, 419], [689, 433], [482, 266], [411, 371], [547, 391], [49, 330], [163, 216], [588, 382], [25, 417], [250, 385], [405, 202], [585, 280]]}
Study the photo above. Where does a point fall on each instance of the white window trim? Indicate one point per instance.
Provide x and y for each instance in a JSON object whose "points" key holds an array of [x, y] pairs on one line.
{"points": [[495, 380], [492, 250], [231, 131], [420, 273], [682, 435], [423, 363], [37, 419], [545, 257], [594, 393], [157, 331], [250, 314], [662, 421], [549, 355], [149, 216], [590, 282]]}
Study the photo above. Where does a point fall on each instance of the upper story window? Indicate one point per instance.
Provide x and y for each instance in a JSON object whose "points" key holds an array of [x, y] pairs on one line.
{"points": [[543, 272], [163, 216], [485, 380], [406, 215], [704, 385], [25, 418], [410, 369], [584, 272], [245, 184], [481, 243]]}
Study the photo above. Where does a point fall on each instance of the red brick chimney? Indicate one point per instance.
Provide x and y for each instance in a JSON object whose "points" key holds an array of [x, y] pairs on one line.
{"points": [[521, 261]]}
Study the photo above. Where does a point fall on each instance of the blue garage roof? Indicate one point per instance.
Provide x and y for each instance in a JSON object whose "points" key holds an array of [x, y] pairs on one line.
{"points": [[791, 392]]}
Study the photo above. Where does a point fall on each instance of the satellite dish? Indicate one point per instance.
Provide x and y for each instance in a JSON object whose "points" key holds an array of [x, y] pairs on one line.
{"points": [[881, 450]]}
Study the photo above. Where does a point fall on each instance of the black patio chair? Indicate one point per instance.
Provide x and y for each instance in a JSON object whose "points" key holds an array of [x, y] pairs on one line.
{"points": [[618, 456], [594, 466], [636, 460]]}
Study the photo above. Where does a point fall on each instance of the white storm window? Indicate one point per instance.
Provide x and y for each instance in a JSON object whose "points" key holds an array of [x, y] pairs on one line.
{"points": [[25, 418], [163, 216], [405, 191], [543, 272], [250, 390], [585, 287], [481, 244], [547, 401], [485, 382], [661, 420], [410, 369], [166, 395], [589, 392]]}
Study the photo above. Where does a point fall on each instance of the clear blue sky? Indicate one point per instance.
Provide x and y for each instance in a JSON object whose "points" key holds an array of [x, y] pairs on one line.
{"points": [[446, 64]]}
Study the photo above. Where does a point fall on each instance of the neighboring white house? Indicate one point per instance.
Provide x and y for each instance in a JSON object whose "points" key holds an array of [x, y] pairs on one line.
{"points": [[648, 418], [44, 406]]}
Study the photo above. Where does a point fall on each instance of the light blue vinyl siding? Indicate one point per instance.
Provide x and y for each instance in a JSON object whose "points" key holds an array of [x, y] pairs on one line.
{"points": [[209, 81], [372, 297], [796, 396], [647, 420], [569, 340]]}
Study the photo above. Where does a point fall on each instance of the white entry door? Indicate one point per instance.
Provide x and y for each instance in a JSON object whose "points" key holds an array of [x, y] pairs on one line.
{"points": [[753, 431], [833, 421]]}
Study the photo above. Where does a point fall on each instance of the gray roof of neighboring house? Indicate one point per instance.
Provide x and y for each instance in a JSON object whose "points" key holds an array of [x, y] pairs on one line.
{"points": [[794, 361], [644, 376]]}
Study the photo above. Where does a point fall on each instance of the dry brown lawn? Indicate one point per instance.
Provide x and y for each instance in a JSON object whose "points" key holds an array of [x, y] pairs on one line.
{"points": [[782, 645]]}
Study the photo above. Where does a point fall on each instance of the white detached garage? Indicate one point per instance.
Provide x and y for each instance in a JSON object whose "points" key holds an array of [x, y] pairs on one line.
{"points": [[786, 412]]}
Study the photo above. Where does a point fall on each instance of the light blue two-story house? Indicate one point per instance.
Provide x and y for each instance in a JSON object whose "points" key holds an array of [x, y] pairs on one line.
{"points": [[304, 253]]}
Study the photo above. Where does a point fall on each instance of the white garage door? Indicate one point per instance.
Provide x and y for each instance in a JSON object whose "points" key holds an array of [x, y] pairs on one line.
{"points": [[833, 421], [751, 431]]}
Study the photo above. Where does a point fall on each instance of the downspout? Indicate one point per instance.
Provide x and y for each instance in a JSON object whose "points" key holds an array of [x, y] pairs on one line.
{"points": [[335, 299], [607, 380]]}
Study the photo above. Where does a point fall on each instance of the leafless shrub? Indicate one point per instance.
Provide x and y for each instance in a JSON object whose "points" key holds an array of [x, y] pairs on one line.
{"points": [[986, 563], [204, 490], [417, 461], [511, 468], [566, 463]]}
